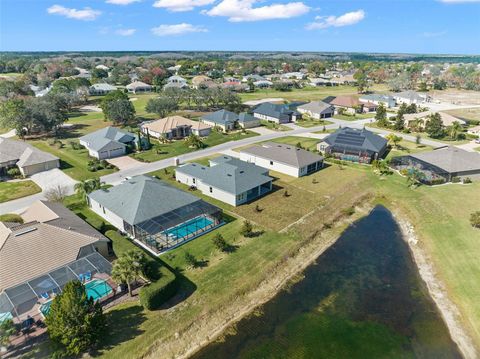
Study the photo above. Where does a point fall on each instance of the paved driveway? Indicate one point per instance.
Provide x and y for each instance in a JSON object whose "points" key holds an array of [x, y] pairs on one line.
{"points": [[52, 179], [471, 146], [124, 162]]}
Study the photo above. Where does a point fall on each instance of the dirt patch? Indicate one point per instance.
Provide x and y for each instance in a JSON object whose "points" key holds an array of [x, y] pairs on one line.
{"points": [[437, 291], [458, 97]]}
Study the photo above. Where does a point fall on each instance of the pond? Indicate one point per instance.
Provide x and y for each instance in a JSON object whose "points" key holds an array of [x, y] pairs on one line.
{"points": [[363, 298]]}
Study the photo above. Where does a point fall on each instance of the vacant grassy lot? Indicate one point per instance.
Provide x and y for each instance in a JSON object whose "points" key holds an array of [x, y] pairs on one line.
{"points": [[72, 162], [14, 190], [160, 151], [307, 93], [467, 114]]}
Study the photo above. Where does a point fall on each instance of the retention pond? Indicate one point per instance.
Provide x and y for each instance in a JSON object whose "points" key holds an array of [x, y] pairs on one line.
{"points": [[363, 298]]}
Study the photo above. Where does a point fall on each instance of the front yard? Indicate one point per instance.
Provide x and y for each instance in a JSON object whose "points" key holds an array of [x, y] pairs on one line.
{"points": [[14, 190], [307, 123]]}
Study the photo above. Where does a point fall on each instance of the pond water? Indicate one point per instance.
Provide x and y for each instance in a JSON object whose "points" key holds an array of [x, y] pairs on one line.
{"points": [[363, 298]]}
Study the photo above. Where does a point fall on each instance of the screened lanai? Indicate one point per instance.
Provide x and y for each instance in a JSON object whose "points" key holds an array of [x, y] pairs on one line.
{"points": [[175, 227], [23, 300]]}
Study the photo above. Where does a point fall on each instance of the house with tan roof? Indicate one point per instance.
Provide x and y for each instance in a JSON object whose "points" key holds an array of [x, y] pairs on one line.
{"points": [[138, 87], [175, 127], [27, 158], [201, 81], [349, 104]]}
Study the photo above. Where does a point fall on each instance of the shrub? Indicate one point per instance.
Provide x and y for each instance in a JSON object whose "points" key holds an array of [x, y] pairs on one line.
{"points": [[348, 211], [475, 219], [14, 172], [467, 180], [455, 179], [220, 243], [75, 145], [246, 229], [11, 217], [190, 260], [155, 294]]}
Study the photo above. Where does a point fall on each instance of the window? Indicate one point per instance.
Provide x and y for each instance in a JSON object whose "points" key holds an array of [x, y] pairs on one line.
{"points": [[211, 190], [271, 163], [103, 209], [193, 180]]}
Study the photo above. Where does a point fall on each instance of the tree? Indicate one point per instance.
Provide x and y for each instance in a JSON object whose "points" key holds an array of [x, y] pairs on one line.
{"points": [[220, 243], [434, 126], [75, 321], [414, 177], [362, 81], [190, 260], [117, 107], [418, 140], [393, 139], [129, 267], [7, 329], [399, 124], [194, 141], [162, 106], [381, 115], [475, 219], [454, 130], [83, 188], [246, 229], [56, 194], [316, 67]]}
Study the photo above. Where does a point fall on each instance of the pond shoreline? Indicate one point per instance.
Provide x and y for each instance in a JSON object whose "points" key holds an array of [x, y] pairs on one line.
{"points": [[270, 288], [447, 309]]}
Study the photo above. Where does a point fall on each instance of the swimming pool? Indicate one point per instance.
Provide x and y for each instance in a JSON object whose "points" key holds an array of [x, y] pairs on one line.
{"points": [[96, 289], [189, 227]]}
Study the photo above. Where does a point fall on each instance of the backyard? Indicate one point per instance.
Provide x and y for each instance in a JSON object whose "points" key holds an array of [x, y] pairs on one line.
{"points": [[13, 190]]}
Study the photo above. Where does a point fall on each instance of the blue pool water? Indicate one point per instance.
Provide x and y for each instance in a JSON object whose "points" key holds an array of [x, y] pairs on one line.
{"points": [[189, 227], [96, 289]]}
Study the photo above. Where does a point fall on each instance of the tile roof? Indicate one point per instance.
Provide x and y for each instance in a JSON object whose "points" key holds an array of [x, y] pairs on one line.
{"points": [[345, 101], [451, 159], [165, 125], [316, 107], [287, 154]]}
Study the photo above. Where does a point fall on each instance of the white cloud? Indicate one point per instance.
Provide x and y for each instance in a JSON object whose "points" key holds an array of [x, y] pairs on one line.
{"points": [[244, 10], [86, 14], [434, 34], [350, 18], [181, 5], [458, 1], [121, 2], [177, 29], [125, 32]]}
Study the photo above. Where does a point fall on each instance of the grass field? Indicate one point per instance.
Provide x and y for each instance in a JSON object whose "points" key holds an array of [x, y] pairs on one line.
{"points": [[307, 93], [467, 114], [274, 126], [307, 123], [14, 190]]}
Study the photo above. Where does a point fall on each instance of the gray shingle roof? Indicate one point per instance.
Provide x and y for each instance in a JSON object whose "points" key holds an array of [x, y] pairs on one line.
{"points": [[22, 152], [103, 87], [107, 138], [246, 117], [228, 174], [356, 139], [274, 110], [221, 117], [451, 159], [142, 198], [287, 154], [317, 107]]}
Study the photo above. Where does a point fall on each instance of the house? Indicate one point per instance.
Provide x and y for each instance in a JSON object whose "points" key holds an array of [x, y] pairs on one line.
{"points": [[155, 214], [283, 158], [138, 87], [26, 157], [38, 91], [102, 67], [227, 179], [226, 120], [386, 100], [322, 82], [263, 84], [252, 77], [293, 75], [37, 258], [201, 81], [441, 164], [235, 86], [230, 79], [409, 97], [474, 131], [278, 113], [317, 109], [178, 85], [108, 142], [175, 79], [419, 120], [175, 127], [175, 68], [349, 104], [245, 120], [356, 145], [101, 89]]}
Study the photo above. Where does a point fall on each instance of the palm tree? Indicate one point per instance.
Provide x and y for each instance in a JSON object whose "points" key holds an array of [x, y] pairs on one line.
{"points": [[83, 188], [129, 267], [455, 128]]}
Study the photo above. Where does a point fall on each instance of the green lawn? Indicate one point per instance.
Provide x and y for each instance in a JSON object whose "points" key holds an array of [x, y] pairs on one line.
{"points": [[14, 190], [72, 162], [467, 114], [406, 147], [307, 123], [357, 116], [307, 93], [179, 147], [274, 126], [307, 143]]}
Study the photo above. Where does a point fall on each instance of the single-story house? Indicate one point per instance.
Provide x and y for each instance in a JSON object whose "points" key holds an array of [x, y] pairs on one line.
{"points": [[245, 120], [155, 214], [276, 113], [441, 163], [263, 84], [39, 91], [138, 87], [321, 81], [293, 75], [350, 104], [26, 157], [235, 86], [227, 179], [377, 99], [283, 158], [178, 85], [317, 109], [102, 67], [420, 119], [474, 131], [253, 77], [101, 89], [409, 97], [32, 255], [175, 127], [201, 80], [223, 119], [176, 80], [356, 145], [108, 142]]}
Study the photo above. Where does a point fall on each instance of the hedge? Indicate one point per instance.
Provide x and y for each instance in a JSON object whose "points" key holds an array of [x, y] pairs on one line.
{"points": [[11, 217], [155, 294]]}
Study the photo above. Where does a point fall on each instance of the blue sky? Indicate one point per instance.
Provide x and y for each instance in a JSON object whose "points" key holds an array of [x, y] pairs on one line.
{"points": [[403, 26]]}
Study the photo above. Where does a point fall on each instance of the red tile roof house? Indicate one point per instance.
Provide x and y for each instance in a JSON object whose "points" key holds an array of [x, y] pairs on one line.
{"points": [[351, 104]]}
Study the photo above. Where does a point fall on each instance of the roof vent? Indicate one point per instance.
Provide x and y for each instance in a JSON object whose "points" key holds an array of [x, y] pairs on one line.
{"points": [[28, 230], [242, 171], [229, 175]]}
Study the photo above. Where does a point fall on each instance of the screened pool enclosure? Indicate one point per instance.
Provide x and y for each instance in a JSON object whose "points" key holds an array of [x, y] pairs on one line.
{"points": [[24, 300]]}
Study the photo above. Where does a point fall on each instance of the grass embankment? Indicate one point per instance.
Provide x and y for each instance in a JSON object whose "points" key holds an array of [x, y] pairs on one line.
{"points": [[14, 190]]}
